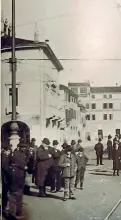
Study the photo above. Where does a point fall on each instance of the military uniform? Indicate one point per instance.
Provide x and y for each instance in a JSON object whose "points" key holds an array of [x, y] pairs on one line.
{"points": [[17, 172]]}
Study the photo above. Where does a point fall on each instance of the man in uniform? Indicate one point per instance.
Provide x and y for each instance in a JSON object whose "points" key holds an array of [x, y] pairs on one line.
{"points": [[44, 162], [17, 172], [99, 152]]}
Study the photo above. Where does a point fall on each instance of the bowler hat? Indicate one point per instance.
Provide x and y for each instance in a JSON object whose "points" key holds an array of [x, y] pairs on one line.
{"points": [[99, 139], [68, 148], [73, 142], [33, 139], [46, 141], [55, 142], [109, 136]]}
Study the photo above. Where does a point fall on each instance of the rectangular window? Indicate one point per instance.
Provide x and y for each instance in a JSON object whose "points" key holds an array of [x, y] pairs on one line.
{"points": [[93, 106], [93, 117], [110, 105], [10, 96], [83, 90], [87, 105], [105, 117], [110, 117], [93, 96], [110, 96], [104, 96], [105, 106], [88, 117]]}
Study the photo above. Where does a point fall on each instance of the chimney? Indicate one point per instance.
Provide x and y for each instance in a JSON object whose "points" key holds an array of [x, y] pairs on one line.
{"points": [[6, 27], [36, 34], [9, 30]]}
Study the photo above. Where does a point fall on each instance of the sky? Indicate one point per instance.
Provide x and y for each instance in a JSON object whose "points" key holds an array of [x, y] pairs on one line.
{"points": [[86, 30]]}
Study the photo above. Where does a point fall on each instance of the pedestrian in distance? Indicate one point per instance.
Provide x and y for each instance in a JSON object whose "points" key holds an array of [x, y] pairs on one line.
{"points": [[109, 147], [99, 152], [56, 170], [44, 161], [116, 158], [82, 161], [68, 164], [79, 145]]}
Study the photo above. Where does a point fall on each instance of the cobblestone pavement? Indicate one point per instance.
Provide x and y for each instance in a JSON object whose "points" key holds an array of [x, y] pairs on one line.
{"points": [[101, 192]]}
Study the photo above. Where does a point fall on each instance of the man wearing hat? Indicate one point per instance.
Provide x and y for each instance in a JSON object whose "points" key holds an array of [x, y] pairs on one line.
{"points": [[79, 145], [17, 173], [56, 170], [44, 161], [68, 164], [109, 147], [99, 152]]}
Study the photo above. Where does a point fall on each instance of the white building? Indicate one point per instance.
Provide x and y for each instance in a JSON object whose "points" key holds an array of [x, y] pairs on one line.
{"points": [[103, 109], [38, 102]]}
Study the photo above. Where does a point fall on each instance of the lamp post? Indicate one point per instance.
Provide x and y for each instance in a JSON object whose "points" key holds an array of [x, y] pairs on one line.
{"points": [[14, 138]]}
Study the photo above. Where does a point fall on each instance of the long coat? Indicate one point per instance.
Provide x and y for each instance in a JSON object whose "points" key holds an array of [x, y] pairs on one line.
{"points": [[17, 170], [5, 159], [31, 160], [43, 164], [116, 159], [68, 171], [82, 162], [56, 157], [99, 148]]}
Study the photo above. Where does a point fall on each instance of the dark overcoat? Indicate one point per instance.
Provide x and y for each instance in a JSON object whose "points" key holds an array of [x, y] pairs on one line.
{"points": [[17, 170], [99, 148], [82, 162], [43, 164], [68, 171], [116, 159]]}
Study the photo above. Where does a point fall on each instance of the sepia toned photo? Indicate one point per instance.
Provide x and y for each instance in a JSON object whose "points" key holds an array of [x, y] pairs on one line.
{"points": [[60, 110]]}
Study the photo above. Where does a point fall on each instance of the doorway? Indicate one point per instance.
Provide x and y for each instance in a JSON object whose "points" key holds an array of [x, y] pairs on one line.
{"points": [[100, 133]]}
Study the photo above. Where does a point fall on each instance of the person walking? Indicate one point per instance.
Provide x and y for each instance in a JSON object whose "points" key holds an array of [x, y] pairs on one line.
{"points": [[44, 161], [82, 161], [109, 147], [56, 170], [99, 152], [17, 173], [116, 158], [68, 164]]}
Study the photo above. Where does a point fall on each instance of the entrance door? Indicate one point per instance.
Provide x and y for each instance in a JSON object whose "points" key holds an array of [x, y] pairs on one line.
{"points": [[100, 133], [117, 131]]}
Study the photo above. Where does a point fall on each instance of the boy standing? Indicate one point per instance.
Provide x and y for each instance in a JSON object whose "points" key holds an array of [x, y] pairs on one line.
{"points": [[68, 164], [82, 161]]}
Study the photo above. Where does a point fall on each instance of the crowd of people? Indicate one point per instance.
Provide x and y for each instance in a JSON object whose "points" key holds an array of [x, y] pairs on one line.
{"points": [[113, 150], [49, 166]]}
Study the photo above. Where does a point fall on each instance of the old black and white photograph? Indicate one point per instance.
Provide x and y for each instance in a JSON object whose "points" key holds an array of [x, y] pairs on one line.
{"points": [[60, 110]]}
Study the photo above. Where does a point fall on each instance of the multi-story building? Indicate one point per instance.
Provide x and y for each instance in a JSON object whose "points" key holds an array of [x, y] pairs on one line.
{"points": [[103, 109], [74, 115], [37, 89]]}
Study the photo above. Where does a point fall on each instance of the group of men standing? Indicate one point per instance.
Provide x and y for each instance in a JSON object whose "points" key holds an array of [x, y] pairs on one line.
{"points": [[46, 164], [113, 150]]}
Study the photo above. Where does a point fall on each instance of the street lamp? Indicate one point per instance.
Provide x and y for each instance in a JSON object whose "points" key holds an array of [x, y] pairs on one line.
{"points": [[14, 138]]}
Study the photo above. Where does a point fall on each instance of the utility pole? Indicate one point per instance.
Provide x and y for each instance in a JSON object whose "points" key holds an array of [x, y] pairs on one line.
{"points": [[13, 62], [14, 138]]}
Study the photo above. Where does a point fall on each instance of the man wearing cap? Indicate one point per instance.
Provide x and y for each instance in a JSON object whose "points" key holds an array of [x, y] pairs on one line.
{"points": [[109, 147], [17, 173], [99, 152], [56, 170], [44, 162], [68, 164]]}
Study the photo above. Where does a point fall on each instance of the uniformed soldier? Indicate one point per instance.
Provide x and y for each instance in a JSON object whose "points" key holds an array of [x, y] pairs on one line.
{"points": [[44, 161], [5, 177], [109, 147], [17, 172], [99, 152]]}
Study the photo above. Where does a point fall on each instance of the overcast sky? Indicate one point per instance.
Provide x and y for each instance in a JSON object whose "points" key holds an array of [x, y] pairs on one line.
{"points": [[79, 29]]}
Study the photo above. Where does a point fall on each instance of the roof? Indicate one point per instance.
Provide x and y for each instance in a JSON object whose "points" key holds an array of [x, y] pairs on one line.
{"points": [[65, 88], [23, 44], [79, 84], [115, 89]]}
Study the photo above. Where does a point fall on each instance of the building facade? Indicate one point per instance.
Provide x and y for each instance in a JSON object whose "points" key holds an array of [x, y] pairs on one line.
{"points": [[37, 87], [74, 115], [103, 109]]}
